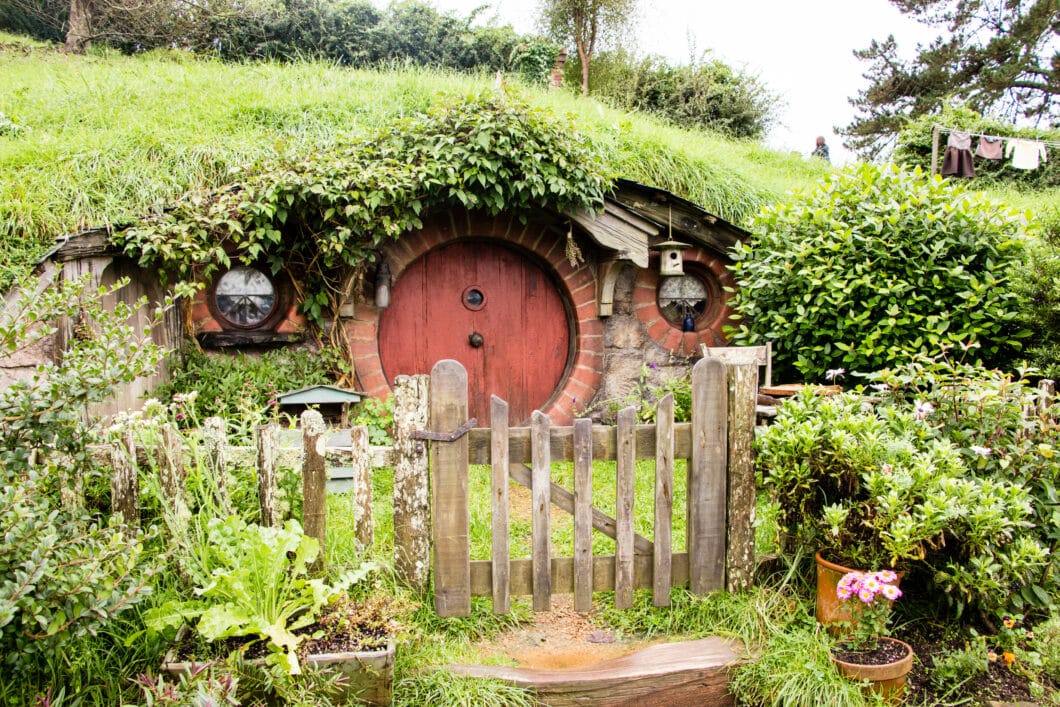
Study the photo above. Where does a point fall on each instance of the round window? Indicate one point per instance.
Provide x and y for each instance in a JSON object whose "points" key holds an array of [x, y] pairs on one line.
{"points": [[245, 297], [682, 296]]}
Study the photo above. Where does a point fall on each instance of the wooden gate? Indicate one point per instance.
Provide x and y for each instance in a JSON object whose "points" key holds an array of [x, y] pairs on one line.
{"points": [[720, 508]]}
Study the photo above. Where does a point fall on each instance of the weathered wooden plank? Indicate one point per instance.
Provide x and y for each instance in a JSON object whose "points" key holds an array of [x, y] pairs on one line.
{"points": [[314, 481], [265, 445], [664, 499], [682, 674], [412, 499], [502, 601], [124, 483], [452, 551], [540, 488], [583, 515], [743, 393], [1046, 395], [561, 445], [363, 522], [624, 495], [215, 442], [171, 479], [562, 574], [564, 500], [707, 477]]}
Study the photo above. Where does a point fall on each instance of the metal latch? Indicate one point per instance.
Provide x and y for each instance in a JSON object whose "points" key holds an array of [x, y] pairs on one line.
{"points": [[445, 436]]}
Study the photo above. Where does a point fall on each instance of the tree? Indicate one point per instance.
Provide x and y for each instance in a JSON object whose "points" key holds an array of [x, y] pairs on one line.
{"points": [[1001, 57], [588, 24]]}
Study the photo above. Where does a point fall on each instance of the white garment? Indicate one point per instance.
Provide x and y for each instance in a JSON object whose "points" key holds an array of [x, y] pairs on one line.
{"points": [[1025, 153]]}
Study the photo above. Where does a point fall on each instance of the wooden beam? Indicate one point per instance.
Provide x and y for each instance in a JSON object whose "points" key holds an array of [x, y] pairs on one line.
{"points": [[625, 475], [605, 443], [707, 485], [522, 582], [664, 500], [500, 505], [452, 550], [540, 490], [583, 515]]}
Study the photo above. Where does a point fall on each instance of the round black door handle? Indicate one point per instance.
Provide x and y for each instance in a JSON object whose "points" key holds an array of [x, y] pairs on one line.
{"points": [[476, 340]]}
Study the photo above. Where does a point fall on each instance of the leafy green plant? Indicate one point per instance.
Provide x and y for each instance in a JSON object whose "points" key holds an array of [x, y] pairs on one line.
{"points": [[651, 386], [377, 414], [876, 591], [879, 487], [65, 572], [953, 668], [254, 581], [876, 264], [304, 213]]}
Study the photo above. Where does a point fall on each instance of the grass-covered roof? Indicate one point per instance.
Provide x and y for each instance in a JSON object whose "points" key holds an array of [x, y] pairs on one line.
{"points": [[107, 138]]}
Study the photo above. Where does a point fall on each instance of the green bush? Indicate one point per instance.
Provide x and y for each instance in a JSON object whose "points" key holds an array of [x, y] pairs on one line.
{"points": [[242, 388], [884, 487], [873, 265]]}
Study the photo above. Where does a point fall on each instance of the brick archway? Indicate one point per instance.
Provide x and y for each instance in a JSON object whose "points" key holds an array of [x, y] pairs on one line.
{"points": [[540, 239]]}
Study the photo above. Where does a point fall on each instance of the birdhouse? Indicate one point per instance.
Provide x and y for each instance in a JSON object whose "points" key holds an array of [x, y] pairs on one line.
{"points": [[671, 262]]}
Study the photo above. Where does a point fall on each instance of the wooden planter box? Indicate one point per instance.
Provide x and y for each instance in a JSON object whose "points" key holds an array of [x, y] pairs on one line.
{"points": [[369, 674]]}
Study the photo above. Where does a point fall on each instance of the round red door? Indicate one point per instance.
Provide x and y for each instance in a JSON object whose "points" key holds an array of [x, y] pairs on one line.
{"points": [[489, 308]]}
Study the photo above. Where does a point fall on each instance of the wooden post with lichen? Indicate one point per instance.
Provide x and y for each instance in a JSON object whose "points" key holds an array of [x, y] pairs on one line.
{"points": [[412, 499], [743, 395], [170, 457], [124, 484], [314, 480], [362, 487], [215, 440], [265, 444], [449, 491]]}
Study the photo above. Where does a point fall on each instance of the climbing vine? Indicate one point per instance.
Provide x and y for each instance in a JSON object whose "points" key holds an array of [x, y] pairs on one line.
{"points": [[321, 216]]}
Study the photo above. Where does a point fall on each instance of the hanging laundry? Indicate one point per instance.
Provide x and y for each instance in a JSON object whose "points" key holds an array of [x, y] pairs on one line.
{"points": [[957, 160], [989, 147], [1026, 153]]}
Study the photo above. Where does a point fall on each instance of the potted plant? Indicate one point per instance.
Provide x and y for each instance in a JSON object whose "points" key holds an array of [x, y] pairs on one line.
{"points": [[255, 599], [865, 652], [877, 486]]}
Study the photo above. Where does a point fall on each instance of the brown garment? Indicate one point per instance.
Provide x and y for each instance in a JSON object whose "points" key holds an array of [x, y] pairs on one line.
{"points": [[989, 148], [958, 163]]}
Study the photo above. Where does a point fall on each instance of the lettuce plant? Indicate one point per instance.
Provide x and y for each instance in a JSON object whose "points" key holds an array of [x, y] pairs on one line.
{"points": [[256, 582]]}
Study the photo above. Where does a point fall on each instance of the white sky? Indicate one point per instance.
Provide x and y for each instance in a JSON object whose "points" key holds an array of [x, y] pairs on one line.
{"points": [[801, 50]]}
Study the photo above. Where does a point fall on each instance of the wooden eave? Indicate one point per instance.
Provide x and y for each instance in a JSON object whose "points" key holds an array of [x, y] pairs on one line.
{"points": [[618, 229], [93, 243], [688, 221]]}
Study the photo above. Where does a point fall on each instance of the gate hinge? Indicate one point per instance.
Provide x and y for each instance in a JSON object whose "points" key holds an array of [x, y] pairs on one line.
{"points": [[445, 436]]}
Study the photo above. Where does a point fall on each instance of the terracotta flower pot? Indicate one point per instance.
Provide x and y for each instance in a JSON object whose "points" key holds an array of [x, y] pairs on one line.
{"points": [[887, 680], [830, 609]]}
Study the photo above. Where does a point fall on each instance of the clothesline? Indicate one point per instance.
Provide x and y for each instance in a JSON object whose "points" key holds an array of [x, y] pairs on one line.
{"points": [[945, 129]]}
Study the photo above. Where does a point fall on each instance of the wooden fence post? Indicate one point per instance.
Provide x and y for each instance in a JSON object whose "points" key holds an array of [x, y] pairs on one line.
{"points": [[215, 440], [412, 496], [662, 562], [707, 491], [541, 499], [583, 514], [743, 393], [449, 463], [314, 480], [124, 484], [362, 488], [265, 443], [499, 463], [625, 473], [170, 456]]}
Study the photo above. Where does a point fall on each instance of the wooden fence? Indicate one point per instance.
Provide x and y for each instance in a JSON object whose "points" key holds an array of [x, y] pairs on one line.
{"points": [[434, 445], [720, 509]]}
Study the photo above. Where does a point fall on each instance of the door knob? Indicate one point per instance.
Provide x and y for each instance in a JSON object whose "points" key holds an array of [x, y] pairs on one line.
{"points": [[476, 340]]}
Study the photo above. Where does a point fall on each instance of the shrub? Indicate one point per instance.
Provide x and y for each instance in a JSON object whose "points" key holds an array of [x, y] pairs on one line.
{"points": [[64, 573], [882, 488], [873, 265]]}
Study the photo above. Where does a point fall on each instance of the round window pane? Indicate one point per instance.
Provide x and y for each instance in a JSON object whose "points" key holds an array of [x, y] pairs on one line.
{"points": [[681, 296], [245, 296]]}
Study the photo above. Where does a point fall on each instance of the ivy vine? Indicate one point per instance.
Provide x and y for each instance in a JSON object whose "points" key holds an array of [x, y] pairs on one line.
{"points": [[321, 216]]}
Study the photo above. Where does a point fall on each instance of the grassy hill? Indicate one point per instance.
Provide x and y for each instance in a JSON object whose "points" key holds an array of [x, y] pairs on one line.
{"points": [[106, 138]]}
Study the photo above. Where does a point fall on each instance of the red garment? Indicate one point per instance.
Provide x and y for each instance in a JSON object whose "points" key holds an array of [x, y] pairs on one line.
{"points": [[957, 163]]}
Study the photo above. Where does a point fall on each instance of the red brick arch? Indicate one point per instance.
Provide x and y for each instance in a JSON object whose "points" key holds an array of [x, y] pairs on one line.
{"points": [[538, 238], [708, 329]]}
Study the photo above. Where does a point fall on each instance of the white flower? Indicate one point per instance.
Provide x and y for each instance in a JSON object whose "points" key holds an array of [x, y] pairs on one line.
{"points": [[981, 451], [833, 373], [923, 409]]}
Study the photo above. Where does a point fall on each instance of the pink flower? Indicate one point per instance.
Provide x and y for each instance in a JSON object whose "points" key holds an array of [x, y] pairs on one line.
{"points": [[866, 595], [891, 592], [886, 576]]}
